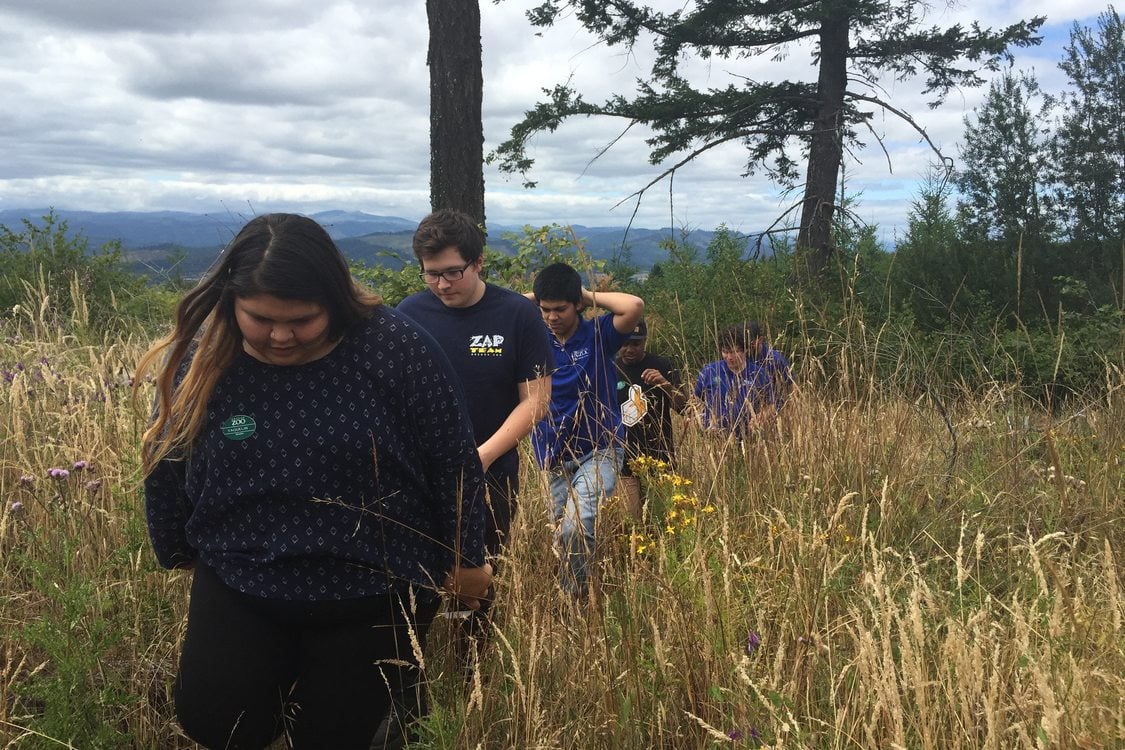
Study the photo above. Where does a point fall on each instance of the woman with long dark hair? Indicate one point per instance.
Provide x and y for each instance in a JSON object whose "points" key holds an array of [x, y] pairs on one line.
{"points": [[311, 460]]}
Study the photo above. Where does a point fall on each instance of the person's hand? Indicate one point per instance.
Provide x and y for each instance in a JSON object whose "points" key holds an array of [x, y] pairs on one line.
{"points": [[469, 585], [587, 300], [652, 376]]}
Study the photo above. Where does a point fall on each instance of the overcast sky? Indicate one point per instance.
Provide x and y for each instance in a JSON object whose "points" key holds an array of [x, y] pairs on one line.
{"points": [[263, 105]]}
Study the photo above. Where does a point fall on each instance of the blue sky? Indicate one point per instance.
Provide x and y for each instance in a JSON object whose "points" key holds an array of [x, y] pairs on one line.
{"points": [[269, 105]]}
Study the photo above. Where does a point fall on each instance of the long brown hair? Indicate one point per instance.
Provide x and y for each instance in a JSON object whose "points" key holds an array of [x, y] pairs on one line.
{"points": [[283, 255]]}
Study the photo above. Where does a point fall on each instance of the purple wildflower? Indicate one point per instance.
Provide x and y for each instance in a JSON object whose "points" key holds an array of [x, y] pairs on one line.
{"points": [[753, 640], [27, 480], [735, 735], [81, 465], [15, 507], [93, 486], [57, 473]]}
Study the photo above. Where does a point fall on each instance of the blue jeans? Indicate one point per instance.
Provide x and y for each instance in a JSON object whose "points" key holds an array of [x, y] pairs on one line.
{"points": [[578, 488]]}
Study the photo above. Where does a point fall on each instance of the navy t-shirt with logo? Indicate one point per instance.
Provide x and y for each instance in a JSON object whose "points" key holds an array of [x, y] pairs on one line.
{"points": [[493, 346]]}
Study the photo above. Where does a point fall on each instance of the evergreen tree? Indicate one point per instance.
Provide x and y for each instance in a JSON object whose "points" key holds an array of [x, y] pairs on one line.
{"points": [[933, 274], [1004, 163], [1090, 139], [855, 44]]}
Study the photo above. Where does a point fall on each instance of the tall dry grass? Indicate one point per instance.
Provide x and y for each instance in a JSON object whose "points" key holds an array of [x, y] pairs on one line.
{"points": [[887, 568]]}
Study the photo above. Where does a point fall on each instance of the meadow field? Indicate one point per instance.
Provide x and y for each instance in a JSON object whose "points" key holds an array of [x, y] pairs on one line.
{"points": [[926, 569]]}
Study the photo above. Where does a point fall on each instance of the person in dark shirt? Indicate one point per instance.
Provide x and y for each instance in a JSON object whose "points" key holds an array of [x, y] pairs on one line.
{"points": [[498, 346], [744, 390], [649, 391], [311, 460], [496, 341]]}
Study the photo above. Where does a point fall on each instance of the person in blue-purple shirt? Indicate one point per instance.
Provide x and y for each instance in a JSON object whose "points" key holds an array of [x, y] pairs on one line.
{"points": [[579, 444], [744, 390]]}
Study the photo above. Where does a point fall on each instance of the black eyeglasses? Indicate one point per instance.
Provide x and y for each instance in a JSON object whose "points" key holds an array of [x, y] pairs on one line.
{"points": [[453, 274]]}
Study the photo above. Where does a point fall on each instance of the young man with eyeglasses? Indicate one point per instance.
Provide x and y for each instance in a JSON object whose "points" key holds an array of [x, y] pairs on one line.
{"points": [[493, 337], [495, 340]]}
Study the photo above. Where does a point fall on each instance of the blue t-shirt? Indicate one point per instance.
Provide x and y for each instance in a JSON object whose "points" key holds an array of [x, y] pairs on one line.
{"points": [[338, 478], [493, 346], [584, 411], [731, 399]]}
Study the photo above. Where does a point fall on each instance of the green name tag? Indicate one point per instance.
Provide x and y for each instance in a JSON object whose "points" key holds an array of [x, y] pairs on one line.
{"points": [[239, 427]]}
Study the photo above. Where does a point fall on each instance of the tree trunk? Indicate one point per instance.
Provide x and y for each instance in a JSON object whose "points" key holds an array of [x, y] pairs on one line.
{"points": [[814, 237], [456, 91]]}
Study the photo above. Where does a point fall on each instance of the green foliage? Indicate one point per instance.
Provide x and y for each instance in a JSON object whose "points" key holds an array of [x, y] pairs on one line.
{"points": [[1003, 175], [393, 282], [1068, 358], [1091, 134], [935, 276], [80, 692], [696, 294], [44, 267], [1089, 172], [74, 635], [534, 248], [766, 115]]}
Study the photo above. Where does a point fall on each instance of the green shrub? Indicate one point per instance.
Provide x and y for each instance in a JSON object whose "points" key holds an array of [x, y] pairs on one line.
{"points": [[46, 267]]}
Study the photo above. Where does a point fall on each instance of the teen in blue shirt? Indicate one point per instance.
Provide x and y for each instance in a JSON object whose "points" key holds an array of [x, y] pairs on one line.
{"points": [[579, 444], [748, 386]]}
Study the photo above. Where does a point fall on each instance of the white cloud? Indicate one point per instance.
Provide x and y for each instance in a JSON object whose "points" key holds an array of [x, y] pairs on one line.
{"points": [[284, 104]]}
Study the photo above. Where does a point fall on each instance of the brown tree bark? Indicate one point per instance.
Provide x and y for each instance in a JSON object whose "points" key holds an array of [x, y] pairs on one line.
{"points": [[814, 236], [456, 92]]}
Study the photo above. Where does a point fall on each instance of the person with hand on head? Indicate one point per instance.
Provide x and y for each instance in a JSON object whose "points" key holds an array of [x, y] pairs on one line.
{"points": [[743, 392], [579, 444], [310, 459], [648, 391]]}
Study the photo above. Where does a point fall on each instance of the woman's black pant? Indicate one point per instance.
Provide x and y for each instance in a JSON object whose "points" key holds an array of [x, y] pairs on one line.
{"points": [[322, 672]]}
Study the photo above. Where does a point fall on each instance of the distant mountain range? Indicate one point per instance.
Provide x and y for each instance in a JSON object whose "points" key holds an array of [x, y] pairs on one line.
{"points": [[154, 240]]}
